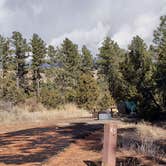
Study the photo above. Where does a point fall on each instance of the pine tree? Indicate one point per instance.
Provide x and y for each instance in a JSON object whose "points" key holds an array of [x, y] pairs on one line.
{"points": [[38, 48], [160, 51], [20, 51], [87, 59], [51, 63], [52, 56], [5, 56], [87, 91], [108, 62], [8, 90], [70, 57], [137, 62], [138, 73], [69, 69], [4, 64], [105, 100]]}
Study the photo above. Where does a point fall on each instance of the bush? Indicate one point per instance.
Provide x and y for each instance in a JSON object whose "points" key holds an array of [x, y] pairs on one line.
{"points": [[51, 97], [13, 94], [70, 95], [106, 101], [9, 92]]}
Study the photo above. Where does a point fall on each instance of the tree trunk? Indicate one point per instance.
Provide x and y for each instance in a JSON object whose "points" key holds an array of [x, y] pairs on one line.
{"points": [[38, 88], [17, 82]]}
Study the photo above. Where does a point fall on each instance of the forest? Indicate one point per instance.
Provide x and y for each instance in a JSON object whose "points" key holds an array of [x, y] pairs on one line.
{"points": [[56, 75]]}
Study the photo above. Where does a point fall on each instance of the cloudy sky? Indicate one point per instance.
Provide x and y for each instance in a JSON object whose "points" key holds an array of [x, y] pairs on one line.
{"points": [[83, 21]]}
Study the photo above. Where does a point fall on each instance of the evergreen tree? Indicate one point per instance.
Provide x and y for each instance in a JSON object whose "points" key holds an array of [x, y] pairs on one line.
{"points": [[5, 66], [38, 48], [137, 62], [52, 56], [105, 100], [69, 69], [20, 51], [160, 51], [8, 90], [108, 62], [70, 57], [87, 91], [51, 63], [87, 59], [5, 56], [138, 73]]}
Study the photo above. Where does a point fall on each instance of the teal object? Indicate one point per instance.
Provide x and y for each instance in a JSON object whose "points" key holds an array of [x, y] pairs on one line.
{"points": [[131, 106]]}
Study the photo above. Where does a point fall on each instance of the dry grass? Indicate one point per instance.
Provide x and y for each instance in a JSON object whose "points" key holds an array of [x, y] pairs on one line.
{"points": [[38, 113], [152, 132], [144, 138], [145, 130]]}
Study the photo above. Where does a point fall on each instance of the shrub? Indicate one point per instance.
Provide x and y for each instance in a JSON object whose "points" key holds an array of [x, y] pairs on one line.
{"points": [[51, 97], [106, 101], [9, 92]]}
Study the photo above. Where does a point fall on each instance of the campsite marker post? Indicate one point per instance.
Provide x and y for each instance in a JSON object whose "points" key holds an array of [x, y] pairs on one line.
{"points": [[109, 147]]}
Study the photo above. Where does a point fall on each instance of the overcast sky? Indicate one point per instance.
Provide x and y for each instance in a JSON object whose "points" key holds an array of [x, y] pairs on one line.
{"points": [[83, 21]]}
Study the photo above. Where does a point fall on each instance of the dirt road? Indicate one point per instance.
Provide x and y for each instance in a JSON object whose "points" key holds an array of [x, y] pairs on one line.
{"points": [[67, 143], [36, 145]]}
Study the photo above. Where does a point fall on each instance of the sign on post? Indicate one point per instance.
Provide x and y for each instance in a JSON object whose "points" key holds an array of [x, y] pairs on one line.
{"points": [[109, 146]]}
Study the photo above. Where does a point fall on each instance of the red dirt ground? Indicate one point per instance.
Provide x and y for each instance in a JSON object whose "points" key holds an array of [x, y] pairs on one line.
{"points": [[78, 144]]}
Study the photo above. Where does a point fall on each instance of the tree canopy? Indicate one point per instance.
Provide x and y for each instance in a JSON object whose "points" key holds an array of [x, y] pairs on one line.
{"points": [[56, 75]]}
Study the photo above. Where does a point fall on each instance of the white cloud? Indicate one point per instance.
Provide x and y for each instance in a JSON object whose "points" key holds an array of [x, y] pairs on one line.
{"points": [[3, 11], [143, 26], [83, 21], [37, 9], [5, 17], [91, 37]]}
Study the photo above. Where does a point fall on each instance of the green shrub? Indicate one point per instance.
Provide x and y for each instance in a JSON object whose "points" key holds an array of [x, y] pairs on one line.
{"points": [[51, 97], [10, 92], [106, 101]]}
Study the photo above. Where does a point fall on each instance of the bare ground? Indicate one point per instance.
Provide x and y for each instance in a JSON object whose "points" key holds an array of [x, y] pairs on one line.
{"points": [[69, 143]]}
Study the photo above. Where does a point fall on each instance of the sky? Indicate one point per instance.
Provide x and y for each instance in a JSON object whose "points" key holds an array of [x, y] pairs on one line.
{"points": [[83, 21]]}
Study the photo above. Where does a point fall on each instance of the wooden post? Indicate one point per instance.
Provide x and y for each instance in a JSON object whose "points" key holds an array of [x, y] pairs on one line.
{"points": [[109, 146]]}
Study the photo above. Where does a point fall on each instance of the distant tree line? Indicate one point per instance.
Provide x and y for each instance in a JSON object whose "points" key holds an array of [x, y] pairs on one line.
{"points": [[58, 75]]}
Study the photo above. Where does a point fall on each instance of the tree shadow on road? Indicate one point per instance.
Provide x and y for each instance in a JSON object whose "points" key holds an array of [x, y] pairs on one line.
{"points": [[37, 145]]}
